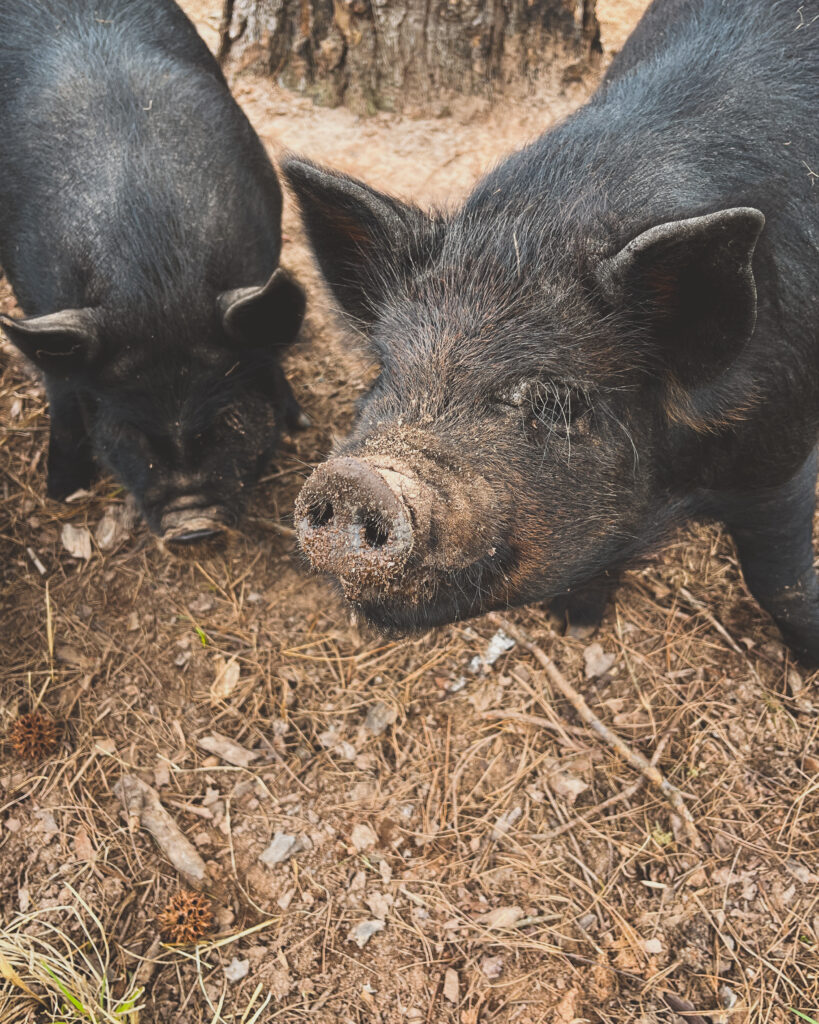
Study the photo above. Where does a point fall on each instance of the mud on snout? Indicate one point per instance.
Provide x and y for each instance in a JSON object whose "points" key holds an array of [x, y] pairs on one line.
{"points": [[389, 528]]}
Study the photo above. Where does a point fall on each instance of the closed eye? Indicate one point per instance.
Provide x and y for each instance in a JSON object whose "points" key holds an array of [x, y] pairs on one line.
{"points": [[549, 405]]}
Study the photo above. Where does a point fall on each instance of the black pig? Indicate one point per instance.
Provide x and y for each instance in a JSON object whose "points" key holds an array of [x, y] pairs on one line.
{"points": [[618, 331], [140, 226]]}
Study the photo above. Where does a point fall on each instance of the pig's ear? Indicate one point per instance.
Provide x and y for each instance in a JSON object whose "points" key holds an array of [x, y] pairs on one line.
{"points": [[267, 316], [58, 343], [690, 285], [355, 232]]}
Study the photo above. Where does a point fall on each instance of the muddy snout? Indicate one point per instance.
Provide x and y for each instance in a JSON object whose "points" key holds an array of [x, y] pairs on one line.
{"points": [[185, 527], [354, 521]]}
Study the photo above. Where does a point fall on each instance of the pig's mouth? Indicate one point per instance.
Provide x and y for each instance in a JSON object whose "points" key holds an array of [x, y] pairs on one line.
{"points": [[438, 598], [406, 548]]}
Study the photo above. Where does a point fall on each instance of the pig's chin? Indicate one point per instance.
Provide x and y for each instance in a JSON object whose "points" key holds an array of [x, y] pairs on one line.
{"points": [[435, 600]]}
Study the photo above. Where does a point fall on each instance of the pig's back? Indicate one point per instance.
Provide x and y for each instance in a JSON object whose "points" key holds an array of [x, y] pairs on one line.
{"points": [[127, 169]]}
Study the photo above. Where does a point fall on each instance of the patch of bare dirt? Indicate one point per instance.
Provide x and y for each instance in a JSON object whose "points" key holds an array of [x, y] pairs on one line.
{"points": [[413, 832]]}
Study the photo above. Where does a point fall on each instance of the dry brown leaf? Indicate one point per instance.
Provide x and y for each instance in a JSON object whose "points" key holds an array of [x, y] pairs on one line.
{"points": [[143, 807], [598, 661], [76, 540], [226, 681], [114, 527], [566, 1009], [501, 917], [567, 785], [228, 750], [451, 986], [82, 845]]}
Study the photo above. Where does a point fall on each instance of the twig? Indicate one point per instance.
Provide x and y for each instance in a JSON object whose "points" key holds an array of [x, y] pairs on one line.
{"points": [[624, 794], [718, 626], [633, 757]]}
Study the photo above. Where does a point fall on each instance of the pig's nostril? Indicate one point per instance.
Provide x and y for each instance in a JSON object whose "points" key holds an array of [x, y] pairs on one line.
{"points": [[195, 536], [320, 514], [376, 533]]}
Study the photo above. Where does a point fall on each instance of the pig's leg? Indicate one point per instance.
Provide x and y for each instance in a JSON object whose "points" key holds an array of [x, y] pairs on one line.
{"points": [[70, 459], [773, 532], [581, 611]]}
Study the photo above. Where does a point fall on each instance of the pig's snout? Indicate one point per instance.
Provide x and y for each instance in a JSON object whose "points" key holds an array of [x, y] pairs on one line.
{"points": [[187, 527], [354, 523]]}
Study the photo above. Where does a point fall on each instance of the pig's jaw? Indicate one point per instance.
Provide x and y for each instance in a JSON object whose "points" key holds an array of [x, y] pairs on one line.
{"points": [[427, 599]]}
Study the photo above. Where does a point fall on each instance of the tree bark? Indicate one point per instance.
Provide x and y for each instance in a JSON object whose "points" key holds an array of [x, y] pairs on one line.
{"points": [[410, 54]]}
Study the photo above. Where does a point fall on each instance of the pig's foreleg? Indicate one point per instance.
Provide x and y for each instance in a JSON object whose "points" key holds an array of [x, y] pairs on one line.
{"points": [[773, 531], [70, 459], [581, 610]]}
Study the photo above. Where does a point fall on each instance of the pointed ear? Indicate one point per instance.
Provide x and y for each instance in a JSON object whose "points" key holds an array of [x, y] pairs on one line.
{"points": [[266, 316], [690, 285], [354, 232], [58, 343]]}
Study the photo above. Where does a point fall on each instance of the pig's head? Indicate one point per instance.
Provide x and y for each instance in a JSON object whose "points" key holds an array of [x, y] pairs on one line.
{"points": [[186, 409], [532, 387]]}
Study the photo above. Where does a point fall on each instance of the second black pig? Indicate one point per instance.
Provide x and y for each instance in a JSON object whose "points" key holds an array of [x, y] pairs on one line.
{"points": [[618, 331], [140, 226]]}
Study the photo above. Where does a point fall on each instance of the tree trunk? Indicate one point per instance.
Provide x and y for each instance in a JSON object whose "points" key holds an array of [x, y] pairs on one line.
{"points": [[410, 54]]}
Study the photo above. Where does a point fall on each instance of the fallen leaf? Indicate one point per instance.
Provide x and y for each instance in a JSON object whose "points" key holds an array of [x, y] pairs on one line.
{"points": [[501, 917], [451, 986], [47, 822], [598, 662], [143, 808], [505, 822], [114, 527], [82, 845], [566, 1009], [379, 717], [76, 540], [282, 847], [226, 681], [71, 656], [567, 785], [492, 967], [379, 904], [362, 933], [362, 837], [236, 970], [228, 750]]}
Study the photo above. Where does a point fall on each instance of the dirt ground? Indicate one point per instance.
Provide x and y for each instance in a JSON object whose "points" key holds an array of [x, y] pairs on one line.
{"points": [[462, 847]]}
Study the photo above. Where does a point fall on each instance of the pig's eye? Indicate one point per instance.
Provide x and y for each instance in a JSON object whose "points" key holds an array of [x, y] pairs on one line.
{"points": [[547, 405]]}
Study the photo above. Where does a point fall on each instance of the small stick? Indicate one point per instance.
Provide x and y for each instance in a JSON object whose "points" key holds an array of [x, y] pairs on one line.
{"points": [[637, 761], [624, 794], [718, 626]]}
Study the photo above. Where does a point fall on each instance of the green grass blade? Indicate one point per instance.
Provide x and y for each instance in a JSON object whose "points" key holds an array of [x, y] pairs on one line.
{"points": [[65, 991]]}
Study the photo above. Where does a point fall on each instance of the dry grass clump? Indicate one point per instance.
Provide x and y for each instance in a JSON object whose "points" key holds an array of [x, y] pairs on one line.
{"points": [[33, 736], [187, 917], [57, 965]]}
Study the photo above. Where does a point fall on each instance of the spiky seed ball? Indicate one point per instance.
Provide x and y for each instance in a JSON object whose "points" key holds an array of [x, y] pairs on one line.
{"points": [[187, 917], [34, 736]]}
